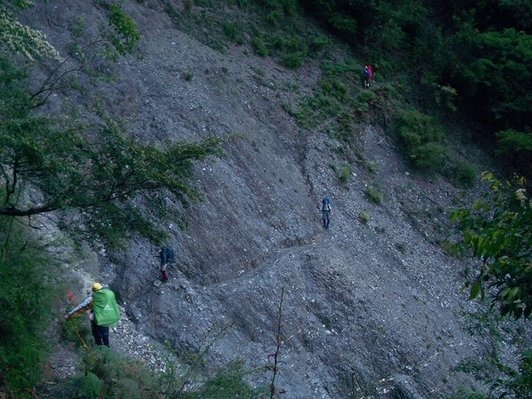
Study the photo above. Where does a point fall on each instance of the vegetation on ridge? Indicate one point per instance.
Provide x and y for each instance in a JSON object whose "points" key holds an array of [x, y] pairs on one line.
{"points": [[433, 63]]}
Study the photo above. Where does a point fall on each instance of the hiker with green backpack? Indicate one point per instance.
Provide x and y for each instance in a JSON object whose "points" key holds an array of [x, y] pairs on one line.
{"points": [[104, 312]]}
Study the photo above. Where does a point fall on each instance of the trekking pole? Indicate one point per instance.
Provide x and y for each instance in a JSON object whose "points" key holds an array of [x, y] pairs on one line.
{"points": [[83, 343]]}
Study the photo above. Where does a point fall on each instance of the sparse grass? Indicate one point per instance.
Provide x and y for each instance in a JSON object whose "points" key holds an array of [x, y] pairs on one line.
{"points": [[259, 46], [372, 167], [373, 195], [363, 217], [401, 247], [78, 27], [234, 32], [345, 174]]}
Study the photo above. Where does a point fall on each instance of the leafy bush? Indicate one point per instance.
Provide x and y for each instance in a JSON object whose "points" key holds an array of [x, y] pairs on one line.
{"points": [[517, 147], [363, 101], [234, 32], [363, 217], [25, 302], [463, 173], [421, 137], [497, 230], [127, 34], [108, 374], [345, 174], [373, 194], [259, 45]]}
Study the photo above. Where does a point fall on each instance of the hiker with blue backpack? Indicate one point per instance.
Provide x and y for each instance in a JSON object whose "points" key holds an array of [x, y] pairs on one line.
{"points": [[104, 312], [325, 210]]}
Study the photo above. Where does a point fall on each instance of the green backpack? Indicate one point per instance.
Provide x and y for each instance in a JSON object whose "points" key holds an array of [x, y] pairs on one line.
{"points": [[106, 310]]}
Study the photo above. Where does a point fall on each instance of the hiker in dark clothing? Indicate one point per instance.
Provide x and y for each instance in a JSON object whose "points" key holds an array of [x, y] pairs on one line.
{"points": [[166, 256], [104, 312], [326, 210], [367, 75]]}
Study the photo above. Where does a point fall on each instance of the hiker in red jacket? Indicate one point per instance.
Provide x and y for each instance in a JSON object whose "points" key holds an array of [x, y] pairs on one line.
{"points": [[368, 75]]}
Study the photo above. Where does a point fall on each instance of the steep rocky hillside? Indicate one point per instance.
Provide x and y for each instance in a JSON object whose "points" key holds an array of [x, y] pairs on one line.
{"points": [[372, 306]]}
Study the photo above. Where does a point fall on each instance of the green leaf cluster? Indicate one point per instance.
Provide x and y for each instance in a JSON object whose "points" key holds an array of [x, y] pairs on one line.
{"points": [[95, 167], [127, 34], [422, 138], [498, 232], [25, 303]]}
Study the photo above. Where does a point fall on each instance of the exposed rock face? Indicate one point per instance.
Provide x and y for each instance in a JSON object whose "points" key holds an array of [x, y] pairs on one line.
{"points": [[370, 309]]}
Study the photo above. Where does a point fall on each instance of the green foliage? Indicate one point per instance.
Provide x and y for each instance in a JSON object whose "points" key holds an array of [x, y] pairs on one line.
{"points": [[331, 98], [98, 169], [78, 27], [233, 32], [516, 146], [345, 174], [373, 195], [107, 374], [188, 76], [463, 173], [25, 302], [421, 137], [520, 382], [88, 386], [511, 141], [363, 217], [259, 45], [127, 35], [20, 38], [498, 232], [228, 383], [363, 101]]}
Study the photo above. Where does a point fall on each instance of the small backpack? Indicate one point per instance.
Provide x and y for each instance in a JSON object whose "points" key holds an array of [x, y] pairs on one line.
{"points": [[326, 204], [166, 255]]}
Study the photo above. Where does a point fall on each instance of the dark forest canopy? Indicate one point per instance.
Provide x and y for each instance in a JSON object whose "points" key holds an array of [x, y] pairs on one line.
{"points": [[481, 49]]}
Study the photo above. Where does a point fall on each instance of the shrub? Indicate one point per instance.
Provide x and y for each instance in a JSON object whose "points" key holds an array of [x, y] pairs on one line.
{"points": [[363, 101], [428, 156], [233, 32], [78, 27], [345, 174], [293, 60], [463, 173], [127, 35], [373, 194], [25, 302], [187, 5], [259, 45], [421, 138], [363, 217]]}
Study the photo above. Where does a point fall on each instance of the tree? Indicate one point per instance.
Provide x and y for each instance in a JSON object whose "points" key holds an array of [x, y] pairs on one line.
{"points": [[58, 163], [498, 231]]}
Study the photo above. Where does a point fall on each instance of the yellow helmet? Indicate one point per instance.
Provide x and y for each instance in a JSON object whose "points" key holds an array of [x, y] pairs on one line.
{"points": [[96, 287]]}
